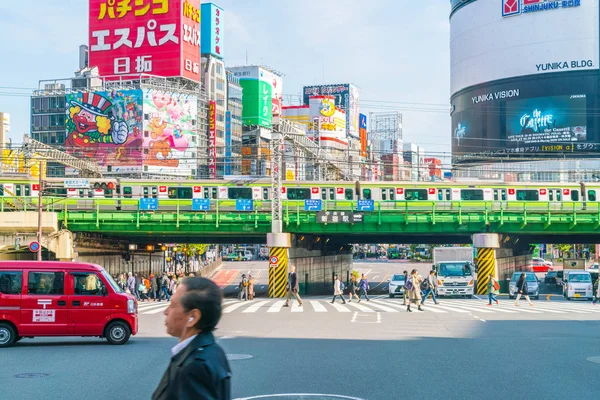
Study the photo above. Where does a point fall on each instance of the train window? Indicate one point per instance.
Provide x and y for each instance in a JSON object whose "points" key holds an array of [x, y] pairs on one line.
{"points": [[27, 190], [575, 195], [503, 193], [298, 193], [90, 193], [108, 193], [265, 194], [527, 195], [56, 192], [154, 192], [206, 193], [18, 190], [440, 194], [331, 194], [214, 193], [415, 194], [145, 192], [384, 194], [2, 190], [392, 194], [367, 194], [551, 195], [471, 194], [323, 194], [81, 193], [591, 195], [180, 192], [239, 193], [127, 192], [349, 194]]}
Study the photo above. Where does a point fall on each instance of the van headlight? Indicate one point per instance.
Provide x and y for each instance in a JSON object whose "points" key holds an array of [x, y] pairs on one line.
{"points": [[130, 306]]}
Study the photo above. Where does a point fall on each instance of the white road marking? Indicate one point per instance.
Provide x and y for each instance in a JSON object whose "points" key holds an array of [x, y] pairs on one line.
{"points": [[458, 310], [276, 307], [376, 304], [233, 307], [361, 307], [378, 317], [255, 307], [339, 307], [317, 306], [296, 307], [156, 310], [354, 316]]}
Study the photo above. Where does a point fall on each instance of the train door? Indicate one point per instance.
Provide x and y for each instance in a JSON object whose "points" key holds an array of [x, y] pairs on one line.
{"points": [[22, 190], [553, 195], [499, 195], [149, 192], [444, 194]]}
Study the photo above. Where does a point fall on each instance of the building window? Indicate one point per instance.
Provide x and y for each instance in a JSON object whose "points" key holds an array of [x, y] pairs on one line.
{"points": [[220, 133]]}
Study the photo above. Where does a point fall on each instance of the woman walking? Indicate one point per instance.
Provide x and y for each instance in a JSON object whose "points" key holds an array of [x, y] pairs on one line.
{"points": [[250, 288], [338, 290], [492, 289], [522, 290], [413, 285], [352, 288]]}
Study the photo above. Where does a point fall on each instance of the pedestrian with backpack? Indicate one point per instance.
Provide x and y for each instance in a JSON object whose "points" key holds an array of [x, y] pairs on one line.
{"points": [[363, 287], [338, 290], [493, 288], [243, 296], [413, 285], [428, 286], [164, 288]]}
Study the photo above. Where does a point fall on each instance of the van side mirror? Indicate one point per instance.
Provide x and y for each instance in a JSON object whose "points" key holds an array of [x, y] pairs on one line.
{"points": [[104, 291]]}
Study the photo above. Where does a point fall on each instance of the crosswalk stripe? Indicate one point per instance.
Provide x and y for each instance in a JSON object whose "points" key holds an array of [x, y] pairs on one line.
{"points": [[339, 307], [361, 307], [276, 307], [156, 310], [255, 307], [434, 309], [377, 304], [473, 309], [233, 307], [522, 309], [479, 307], [572, 310], [317, 306], [452, 309], [296, 307]]}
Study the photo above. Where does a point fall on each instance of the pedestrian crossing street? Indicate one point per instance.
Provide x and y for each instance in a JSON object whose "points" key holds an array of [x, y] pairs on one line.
{"points": [[387, 305]]}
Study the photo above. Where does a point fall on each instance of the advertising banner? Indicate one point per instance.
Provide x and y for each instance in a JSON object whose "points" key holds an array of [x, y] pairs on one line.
{"points": [[169, 124], [255, 72], [363, 134], [153, 37], [346, 97], [212, 139], [106, 127], [228, 160], [257, 103], [213, 30]]}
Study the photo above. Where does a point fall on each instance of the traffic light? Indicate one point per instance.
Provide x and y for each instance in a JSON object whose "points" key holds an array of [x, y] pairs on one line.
{"points": [[104, 185]]}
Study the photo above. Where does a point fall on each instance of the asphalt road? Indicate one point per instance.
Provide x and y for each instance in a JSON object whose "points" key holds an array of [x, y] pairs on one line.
{"points": [[228, 277], [475, 353]]}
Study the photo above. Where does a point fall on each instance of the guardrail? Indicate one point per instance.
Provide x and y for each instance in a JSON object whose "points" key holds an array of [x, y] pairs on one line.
{"points": [[388, 216]]}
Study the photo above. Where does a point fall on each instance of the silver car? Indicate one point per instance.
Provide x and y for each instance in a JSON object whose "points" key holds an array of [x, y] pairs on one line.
{"points": [[396, 286], [533, 285]]}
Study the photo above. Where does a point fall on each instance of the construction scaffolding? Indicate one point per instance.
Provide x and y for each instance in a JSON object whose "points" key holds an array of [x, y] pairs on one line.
{"points": [[386, 131]]}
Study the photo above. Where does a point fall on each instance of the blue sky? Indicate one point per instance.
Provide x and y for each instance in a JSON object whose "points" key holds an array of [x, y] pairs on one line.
{"points": [[395, 51]]}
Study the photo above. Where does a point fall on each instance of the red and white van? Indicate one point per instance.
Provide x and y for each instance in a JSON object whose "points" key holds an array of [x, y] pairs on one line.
{"points": [[44, 298]]}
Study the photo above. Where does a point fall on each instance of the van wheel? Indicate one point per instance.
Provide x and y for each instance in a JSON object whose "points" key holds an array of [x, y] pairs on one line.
{"points": [[8, 337], [117, 333]]}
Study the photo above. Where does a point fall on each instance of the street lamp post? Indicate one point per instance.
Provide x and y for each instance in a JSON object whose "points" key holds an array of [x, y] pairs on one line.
{"points": [[150, 249], [40, 209]]}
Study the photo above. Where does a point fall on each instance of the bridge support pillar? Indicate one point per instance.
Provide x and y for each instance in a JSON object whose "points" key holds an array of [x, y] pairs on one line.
{"points": [[485, 243], [278, 244]]}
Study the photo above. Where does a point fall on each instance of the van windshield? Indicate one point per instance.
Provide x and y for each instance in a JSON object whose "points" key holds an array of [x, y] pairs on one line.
{"points": [[579, 278], [455, 269], [112, 282]]}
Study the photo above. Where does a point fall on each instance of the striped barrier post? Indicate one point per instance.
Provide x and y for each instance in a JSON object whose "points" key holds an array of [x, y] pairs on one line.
{"points": [[486, 266], [278, 271]]}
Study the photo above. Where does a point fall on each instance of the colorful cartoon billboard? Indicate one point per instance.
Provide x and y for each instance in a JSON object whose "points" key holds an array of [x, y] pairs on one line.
{"points": [[106, 127], [170, 132], [346, 97], [152, 37]]}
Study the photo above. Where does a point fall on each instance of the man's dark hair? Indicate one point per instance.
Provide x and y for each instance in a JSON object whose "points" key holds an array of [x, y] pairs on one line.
{"points": [[204, 295]]}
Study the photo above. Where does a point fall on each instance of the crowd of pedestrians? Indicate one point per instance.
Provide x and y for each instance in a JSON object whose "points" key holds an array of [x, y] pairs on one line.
{"points": [[150, 287]]}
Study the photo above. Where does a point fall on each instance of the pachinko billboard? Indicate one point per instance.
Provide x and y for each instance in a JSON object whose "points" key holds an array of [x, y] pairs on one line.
{"points": [[170, 132], [106, 127]]}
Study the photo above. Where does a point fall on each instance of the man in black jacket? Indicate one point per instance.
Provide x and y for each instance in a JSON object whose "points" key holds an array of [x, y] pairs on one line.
{"points": [[199, 367], [292, 287]]}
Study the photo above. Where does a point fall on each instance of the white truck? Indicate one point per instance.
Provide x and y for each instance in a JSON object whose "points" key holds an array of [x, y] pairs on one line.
{"points": [[455, 271]]}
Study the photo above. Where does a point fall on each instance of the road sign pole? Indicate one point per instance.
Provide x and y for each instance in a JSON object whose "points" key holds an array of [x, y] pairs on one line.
{"points": [[40, 208]]}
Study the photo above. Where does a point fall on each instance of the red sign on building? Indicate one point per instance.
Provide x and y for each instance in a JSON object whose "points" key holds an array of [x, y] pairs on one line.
{"points": [[150, 37], [212, 139]]}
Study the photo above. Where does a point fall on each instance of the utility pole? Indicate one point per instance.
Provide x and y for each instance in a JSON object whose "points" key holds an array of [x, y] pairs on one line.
{"points": [[40, 208]]}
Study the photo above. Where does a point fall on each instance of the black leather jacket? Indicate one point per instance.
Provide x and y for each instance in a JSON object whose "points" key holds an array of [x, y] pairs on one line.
{"points": [[200, 372]]}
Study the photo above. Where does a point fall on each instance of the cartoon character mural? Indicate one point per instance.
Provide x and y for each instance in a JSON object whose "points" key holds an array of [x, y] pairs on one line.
{"points": [[106, 127], [169, 125]]}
